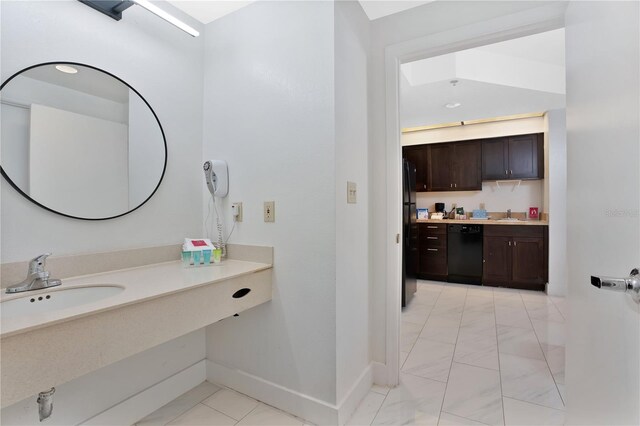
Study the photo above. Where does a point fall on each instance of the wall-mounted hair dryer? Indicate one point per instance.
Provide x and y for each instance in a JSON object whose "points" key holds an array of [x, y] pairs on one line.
{"points": [[216, 173]]}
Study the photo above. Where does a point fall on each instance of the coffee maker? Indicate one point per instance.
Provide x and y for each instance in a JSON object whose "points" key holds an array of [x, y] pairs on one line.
{"points": [[440, 208]]}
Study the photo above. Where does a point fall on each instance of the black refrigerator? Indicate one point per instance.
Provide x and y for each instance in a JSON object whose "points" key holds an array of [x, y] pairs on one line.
{"points": [[410, 253]]}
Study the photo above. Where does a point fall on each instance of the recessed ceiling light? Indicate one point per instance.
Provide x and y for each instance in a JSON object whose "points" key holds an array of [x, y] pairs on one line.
{"points": [[66, 69], [452, 105]]}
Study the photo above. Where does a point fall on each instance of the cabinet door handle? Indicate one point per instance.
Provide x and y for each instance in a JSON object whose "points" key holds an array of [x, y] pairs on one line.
{"points": [[511, 172], [506, 172], [455, 185], [432, 227], [432, 238], [432, 249], [450, 185], [509, 243], [515, 243]]}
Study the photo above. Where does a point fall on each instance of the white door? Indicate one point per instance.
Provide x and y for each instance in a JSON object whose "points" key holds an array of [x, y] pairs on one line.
{"points": [[603, 152]]}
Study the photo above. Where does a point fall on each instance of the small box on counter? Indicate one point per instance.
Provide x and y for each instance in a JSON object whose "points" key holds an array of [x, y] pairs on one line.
{"points": [[423, 213], [533, 212]]}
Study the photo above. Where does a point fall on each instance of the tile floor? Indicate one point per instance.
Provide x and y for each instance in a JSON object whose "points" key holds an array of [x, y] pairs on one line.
{"points": [[470, 356], [475, 356], [212, 405]]}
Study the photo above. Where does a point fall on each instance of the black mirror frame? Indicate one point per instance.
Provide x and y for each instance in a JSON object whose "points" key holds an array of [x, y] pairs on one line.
{"points": [[164, 140]]}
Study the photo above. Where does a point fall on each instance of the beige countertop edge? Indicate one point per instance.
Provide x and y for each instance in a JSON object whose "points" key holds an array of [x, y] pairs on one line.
{"points": [[487, 222], [141, 284]]}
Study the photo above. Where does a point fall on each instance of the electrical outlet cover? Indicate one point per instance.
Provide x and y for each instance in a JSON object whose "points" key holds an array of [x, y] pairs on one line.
{"points": [[269, 211], [352, 192]]}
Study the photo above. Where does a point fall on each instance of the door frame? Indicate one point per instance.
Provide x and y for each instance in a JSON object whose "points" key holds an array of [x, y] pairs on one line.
{"points": [[521, 24]]}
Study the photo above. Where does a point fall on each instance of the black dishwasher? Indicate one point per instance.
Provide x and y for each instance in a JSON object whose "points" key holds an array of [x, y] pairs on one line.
{"points": [[464, 250]]}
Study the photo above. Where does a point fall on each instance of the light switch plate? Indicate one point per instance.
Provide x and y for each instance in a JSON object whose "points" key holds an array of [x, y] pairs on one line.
{"points": [[352, 192], [269, 211]]}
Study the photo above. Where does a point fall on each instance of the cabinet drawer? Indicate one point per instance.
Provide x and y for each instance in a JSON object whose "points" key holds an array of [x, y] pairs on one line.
{"points": [[432, 229], [433, 261], [433, 241]]}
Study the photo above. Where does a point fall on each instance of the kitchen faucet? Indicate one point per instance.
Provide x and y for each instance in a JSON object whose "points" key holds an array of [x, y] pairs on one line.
{"points": [[37, 277], [508, 213]]}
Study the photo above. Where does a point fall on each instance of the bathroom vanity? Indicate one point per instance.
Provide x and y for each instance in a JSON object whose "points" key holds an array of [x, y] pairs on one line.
{"points": [[131, 311]]}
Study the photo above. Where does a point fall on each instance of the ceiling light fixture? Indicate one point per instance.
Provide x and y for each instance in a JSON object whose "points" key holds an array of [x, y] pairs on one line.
{"points": [[66, 69], [114, 9], [167, 17], [452, 105]]}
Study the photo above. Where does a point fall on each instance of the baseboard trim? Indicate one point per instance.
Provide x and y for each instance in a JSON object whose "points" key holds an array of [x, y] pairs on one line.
{"points": [[149, 400], [356, 394], [301, 405]]}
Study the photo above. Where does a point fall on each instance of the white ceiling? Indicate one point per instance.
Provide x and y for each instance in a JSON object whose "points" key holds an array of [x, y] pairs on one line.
{"points": [[513, 77], [206, 11]]}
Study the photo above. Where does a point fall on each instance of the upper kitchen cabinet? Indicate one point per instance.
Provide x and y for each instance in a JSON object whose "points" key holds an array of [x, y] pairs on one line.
{"points": [[454, 166], [513, 157], [418, 156]]}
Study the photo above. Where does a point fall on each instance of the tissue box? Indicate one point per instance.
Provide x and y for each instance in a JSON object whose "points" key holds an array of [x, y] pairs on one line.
{"points": [[423, 213]]}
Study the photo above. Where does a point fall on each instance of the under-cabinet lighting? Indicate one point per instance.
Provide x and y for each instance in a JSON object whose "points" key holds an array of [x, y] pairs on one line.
{"points": [[167, 17], [468, 122]]}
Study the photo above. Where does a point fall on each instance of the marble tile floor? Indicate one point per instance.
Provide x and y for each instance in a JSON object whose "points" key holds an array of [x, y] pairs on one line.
{"points": [[470, 356], [212, 405], [475, 356]]}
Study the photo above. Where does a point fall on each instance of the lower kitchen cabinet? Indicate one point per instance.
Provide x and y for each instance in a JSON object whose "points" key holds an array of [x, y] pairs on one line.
{"points": [[515, 256], [433, 251]]}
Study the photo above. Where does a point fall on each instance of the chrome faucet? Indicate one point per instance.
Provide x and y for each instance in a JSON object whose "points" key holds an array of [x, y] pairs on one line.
{"points": [[508, 213], [37, 277]]}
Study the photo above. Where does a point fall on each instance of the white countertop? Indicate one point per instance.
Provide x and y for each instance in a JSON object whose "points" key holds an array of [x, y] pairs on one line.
{"points": [[140, 284]]}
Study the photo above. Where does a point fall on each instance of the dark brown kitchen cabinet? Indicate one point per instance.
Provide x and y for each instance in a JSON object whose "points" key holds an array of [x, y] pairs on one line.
{"points": [[433, 251], [418, 156], [513, 157], [515, 256], [454, 166]]}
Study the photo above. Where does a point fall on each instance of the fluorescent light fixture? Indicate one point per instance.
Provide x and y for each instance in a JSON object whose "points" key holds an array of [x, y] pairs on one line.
{"points": [[66, 69], [452, 105], [167, 17]]}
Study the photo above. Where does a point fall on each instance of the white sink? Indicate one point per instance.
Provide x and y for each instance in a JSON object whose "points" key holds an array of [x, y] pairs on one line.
{"points": [[56, 299]]}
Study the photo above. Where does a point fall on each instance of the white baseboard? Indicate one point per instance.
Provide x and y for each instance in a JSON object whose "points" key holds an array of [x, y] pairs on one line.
{"points": [[301, 405], [149, 400], [356, 394]]}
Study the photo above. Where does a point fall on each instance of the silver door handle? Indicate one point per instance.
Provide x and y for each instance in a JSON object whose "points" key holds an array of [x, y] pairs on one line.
{"points": [[432, 238], [630, 284], [432, 249]]}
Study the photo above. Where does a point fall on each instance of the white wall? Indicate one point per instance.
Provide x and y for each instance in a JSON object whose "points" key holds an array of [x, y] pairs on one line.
{"points": [[78, 164], [165, 66], [432, 18], [556, 179], [86, 396], [146, 151], [352, 241], [269, 111], [143, 50]]}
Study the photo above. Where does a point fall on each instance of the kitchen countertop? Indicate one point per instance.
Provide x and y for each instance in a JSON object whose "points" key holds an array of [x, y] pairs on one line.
{"points": [[140, 284], [487, 222]]}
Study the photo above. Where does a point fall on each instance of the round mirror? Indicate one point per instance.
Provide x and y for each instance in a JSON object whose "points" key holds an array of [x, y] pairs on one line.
{"points": [[79, 141]]}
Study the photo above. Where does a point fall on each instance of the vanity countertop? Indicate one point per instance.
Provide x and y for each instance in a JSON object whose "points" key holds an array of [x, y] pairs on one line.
{"points": [[140, 284]]}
